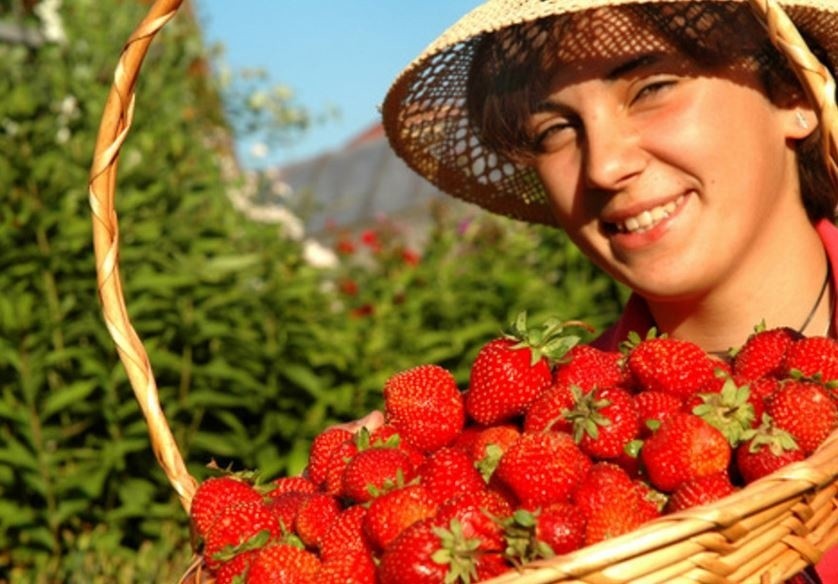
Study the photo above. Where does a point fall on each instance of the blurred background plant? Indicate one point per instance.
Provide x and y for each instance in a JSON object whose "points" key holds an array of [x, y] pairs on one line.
{"points": [[259, 335]]}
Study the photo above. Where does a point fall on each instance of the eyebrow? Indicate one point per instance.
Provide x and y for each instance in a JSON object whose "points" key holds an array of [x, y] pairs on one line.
{"points": [[632, 65], [620, 70]]}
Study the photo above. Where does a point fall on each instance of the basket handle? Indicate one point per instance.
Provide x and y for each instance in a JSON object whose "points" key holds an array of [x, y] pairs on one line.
{"points": [[114, 126], [813, 75]]}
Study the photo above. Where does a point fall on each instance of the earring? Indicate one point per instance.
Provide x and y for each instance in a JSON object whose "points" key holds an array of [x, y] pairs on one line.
{"points": [[801, 120]]}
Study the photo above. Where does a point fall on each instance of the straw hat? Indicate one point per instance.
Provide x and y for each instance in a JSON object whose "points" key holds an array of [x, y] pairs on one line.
{"points": [[428, 125]]}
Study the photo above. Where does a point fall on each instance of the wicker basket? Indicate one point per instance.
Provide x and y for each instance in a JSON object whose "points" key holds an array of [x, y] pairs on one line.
{"points": [[765, 533]]}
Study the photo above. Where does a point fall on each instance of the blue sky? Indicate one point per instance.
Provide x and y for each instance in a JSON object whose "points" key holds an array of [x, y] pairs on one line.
{"points": [[332, 53]]}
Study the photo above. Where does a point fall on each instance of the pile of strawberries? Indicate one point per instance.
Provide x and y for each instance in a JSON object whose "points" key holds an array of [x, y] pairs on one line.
{"points": [[553, 446]]}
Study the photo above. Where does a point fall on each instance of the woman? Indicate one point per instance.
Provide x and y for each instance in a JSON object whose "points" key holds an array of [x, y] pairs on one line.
{"points": [[670, 140]]}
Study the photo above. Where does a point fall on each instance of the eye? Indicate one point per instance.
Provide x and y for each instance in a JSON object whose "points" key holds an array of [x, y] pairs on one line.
{"points": [[553, 135], [652, 88]]}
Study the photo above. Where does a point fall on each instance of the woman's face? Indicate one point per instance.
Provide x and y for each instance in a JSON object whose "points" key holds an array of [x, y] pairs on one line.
{"points": [[666, 173]]}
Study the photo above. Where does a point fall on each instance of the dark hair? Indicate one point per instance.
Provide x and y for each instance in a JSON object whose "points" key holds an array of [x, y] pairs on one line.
{"points": [[511, 69]]}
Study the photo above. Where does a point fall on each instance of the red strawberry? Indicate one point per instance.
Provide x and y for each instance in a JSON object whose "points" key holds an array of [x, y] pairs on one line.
{"points": [[320, 454], [238, 529], [285, 508], [763, 353], [683, 448], [604, 421], [235, 570], [670, 365], [354, 567], [489, 445], [480, 514], [427, 553], [284, 485], [603, 484], [588, 367], [730, 409], [339, 458], [543, 468], [806, 411], [448, 473], [561, 526], [767, 451], [395, 511], [283, 564], [700, 491], [547, 412], [214, 495], [372, 472], [655, 406], [314, 517], [510, 372], [814, 358], [613, 520], [345, 535], [425, 406]]}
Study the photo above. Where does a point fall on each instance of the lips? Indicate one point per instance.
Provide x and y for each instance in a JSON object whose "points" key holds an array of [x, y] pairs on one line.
{"points": [[646, 219]]}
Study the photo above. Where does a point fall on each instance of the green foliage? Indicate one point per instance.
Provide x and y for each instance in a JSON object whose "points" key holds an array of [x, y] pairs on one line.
{"points": [[254, 350]]}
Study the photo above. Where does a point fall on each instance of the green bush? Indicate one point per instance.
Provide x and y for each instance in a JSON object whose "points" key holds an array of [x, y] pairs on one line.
{"points": [[254, 350]]}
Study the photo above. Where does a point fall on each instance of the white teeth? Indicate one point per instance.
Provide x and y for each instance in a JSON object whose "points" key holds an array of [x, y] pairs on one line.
{"points": [[649, 218]]}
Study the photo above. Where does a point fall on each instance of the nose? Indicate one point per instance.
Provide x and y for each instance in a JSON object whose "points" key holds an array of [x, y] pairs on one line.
{"points": [[612, 152]]}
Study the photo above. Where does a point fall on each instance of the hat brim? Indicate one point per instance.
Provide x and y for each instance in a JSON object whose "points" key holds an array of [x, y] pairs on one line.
{"points": [[424, 111]]}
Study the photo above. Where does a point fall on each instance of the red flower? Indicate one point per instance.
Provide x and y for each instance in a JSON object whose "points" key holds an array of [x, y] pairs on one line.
{"points": [[363, 310], [410, 257], [370, 239], [348, 287], [345, 247]]}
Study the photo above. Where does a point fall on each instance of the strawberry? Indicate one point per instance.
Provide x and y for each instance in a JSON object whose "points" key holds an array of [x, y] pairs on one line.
{"points": [[768, 450], [670, 365], [588, 367], [426, 553], [214, 495], [510, 372], [544, 468], [314, 517], [320, 453], [547, 412], [395, 511], [654, 406], [684, 447], [488, 446], [283, 563], [338, 459], [813, 358], [239, 529], [730, 409], [763, 353], [604, 421], [562, 527], [700, 491], [479, 514], [354, 567], [425, 406], [450, 472], [374, 471], [604, 483], [345, 535], [806, 411], [296, 484], [235, 570], [285, 508], [622, 516]]}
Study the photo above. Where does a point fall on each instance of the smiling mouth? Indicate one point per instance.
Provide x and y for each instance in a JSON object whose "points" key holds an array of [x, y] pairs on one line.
{"points": [[647, 219]]}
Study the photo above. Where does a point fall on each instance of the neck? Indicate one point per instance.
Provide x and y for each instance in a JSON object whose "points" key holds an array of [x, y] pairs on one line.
{"points": [[783, 287]]}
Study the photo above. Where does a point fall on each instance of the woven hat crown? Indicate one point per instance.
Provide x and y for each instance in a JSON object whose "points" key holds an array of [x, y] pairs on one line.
{"points": [[425, 112]]}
